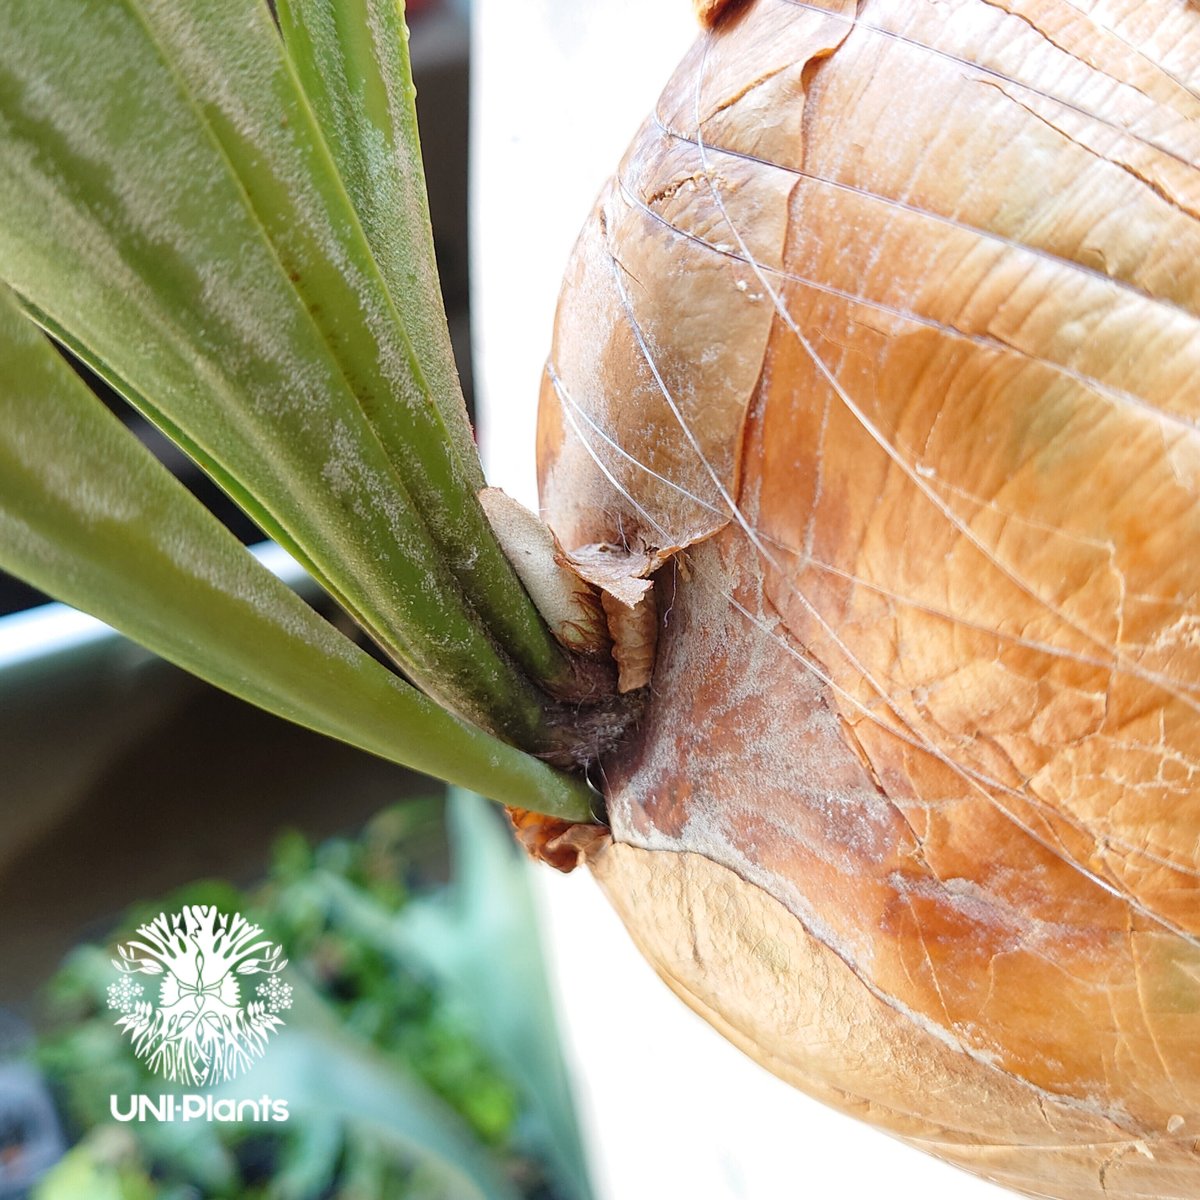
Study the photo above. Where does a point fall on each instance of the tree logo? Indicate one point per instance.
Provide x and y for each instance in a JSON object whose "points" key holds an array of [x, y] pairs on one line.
{"points": [[198, 1031]]}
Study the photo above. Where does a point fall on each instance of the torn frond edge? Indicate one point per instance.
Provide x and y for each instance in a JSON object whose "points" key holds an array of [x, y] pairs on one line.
{"points": [[709, 12]]}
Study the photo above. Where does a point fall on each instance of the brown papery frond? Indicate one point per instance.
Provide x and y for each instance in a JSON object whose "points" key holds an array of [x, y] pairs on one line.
{"points": [[891, 316]]}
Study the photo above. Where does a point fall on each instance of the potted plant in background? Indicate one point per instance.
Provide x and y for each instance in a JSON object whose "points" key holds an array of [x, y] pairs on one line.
{"points": [[418, 1056]]}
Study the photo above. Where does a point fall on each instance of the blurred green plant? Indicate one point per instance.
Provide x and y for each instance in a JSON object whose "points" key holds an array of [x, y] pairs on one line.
{"points": [[219, 207], [420, 1058]]}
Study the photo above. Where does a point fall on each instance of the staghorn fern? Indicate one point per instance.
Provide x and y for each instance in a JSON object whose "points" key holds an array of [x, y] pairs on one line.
{"points": [[224, 217]]}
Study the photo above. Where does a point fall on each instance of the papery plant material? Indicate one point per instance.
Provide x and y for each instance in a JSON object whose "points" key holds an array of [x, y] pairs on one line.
{"points": [[561, 844], [708, 12], [890, 316], [635, 640], [568, 602]]}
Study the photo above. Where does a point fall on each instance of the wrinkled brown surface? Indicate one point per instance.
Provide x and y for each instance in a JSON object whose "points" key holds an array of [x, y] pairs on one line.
{"points": [[563, 845], [709, 12], [789, 1001], [918, 285]]}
